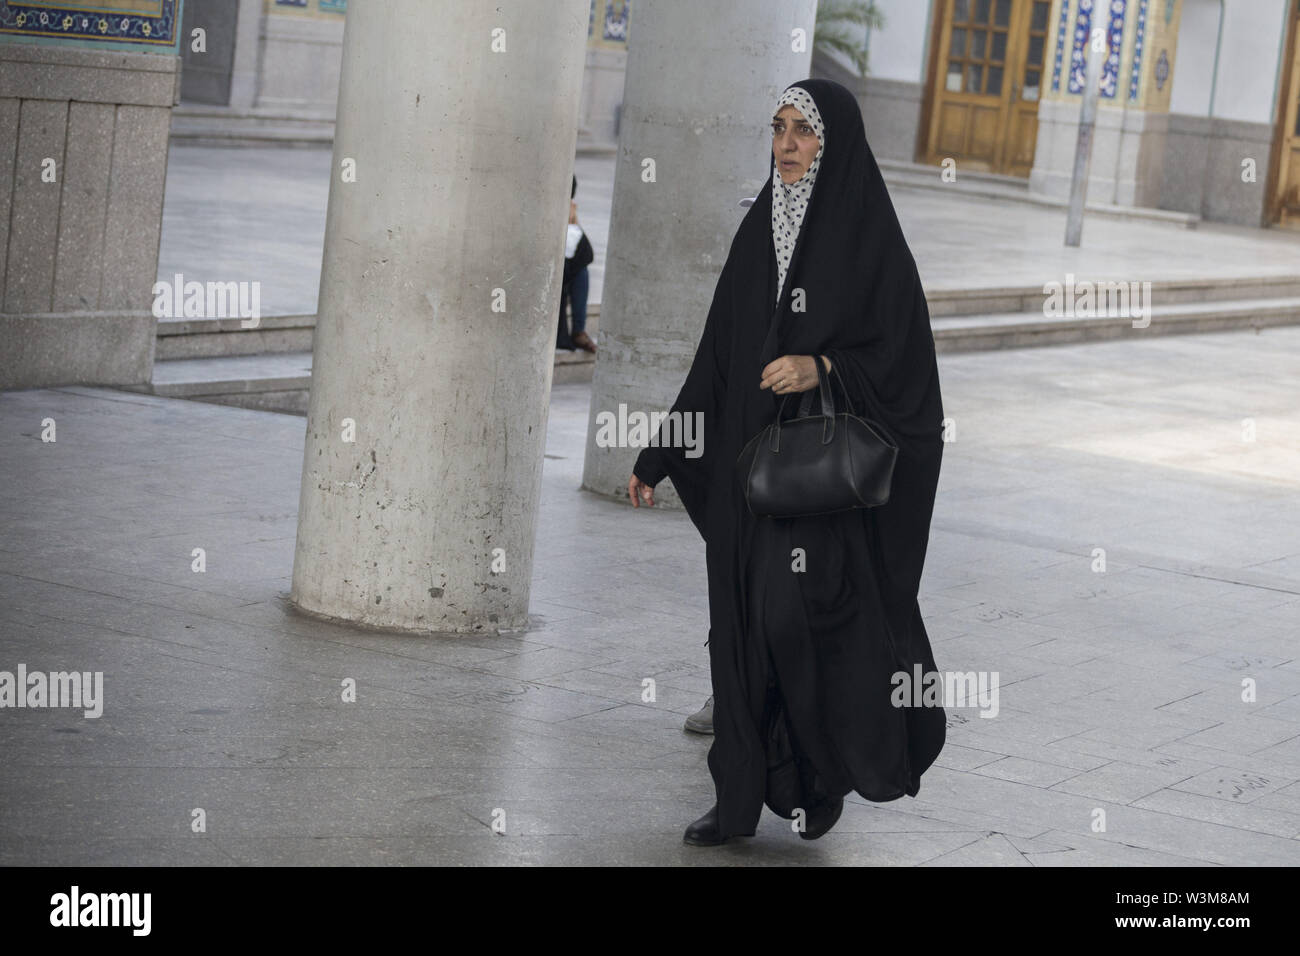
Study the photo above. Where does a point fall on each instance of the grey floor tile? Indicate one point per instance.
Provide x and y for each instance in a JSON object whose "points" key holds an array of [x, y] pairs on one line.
{"points": [[1119, 691]]}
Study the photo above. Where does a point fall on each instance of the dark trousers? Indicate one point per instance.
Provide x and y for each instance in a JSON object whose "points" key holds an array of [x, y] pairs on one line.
{"points": [[573, 298]]}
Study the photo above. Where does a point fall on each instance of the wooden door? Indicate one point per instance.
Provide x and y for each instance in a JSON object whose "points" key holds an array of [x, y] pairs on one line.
{"points": [[1026, 85], [988, 73], [1286, 191]]}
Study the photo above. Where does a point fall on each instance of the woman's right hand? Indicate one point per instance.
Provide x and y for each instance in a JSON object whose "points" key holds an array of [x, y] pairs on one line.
{"points": [[636, 487]]}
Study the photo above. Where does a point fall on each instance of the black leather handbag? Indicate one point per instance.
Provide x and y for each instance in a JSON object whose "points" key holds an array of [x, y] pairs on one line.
{"points": [[817, 464]]}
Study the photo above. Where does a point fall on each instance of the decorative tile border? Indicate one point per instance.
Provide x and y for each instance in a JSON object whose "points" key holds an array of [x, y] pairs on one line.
{"points": [[1082, 35], [324, 6], [616, 18], [1135, 78], [74, 22], [1062, 25], [1110, 66]]}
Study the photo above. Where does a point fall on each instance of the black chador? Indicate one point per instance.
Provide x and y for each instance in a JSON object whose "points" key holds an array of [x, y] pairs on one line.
{"points": [[810, 618]]}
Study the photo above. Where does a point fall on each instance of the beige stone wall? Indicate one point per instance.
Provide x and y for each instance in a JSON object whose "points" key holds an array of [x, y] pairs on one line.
{"points": [[83, 162], [1130, 140], [311, 10], [301, 54]]}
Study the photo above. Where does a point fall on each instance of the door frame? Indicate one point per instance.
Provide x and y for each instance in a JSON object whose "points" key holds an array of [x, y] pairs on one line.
{"points": [[1021, 40], [1286, 73], [1017, 50], [938, 14]]}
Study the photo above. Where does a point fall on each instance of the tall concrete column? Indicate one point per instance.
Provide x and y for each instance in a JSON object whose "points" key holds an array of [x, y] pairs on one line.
{"points": [[435, 334], [245, 69], [698, 102]]}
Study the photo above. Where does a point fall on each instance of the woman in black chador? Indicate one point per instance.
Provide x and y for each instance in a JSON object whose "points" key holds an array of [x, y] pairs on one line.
{"points": [[810, 617]]}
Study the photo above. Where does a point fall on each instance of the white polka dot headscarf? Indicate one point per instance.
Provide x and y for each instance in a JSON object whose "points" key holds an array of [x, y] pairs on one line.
{"points": [[789, 203]]}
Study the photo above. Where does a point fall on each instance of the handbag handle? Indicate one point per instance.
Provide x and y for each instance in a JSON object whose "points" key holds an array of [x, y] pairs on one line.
{"points": [[848, 400], [805, 405]]}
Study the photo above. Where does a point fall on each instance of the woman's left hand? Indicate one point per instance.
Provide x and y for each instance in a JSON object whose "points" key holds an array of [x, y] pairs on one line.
{"points": [[790, 374]]}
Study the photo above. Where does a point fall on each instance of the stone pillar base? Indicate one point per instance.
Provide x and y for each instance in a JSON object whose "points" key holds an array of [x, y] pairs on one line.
{"points": [[76, 348], [83, 163], [1127, 154], [1203, 168], [300, 63]]}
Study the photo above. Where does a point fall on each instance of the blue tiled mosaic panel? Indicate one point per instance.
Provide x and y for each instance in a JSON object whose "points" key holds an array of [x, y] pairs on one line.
{"points": [[75, 21]]}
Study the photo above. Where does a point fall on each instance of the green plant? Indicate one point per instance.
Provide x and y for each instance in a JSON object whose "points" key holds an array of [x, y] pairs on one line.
{"points": [[841, 28]]}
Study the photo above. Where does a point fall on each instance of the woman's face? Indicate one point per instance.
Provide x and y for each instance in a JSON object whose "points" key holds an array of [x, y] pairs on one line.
{"points": [[794, 146]]}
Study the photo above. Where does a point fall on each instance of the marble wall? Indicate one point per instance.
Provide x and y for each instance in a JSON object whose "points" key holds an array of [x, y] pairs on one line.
{"points": [[301, 54], [1221, 112], [1203, 168]]}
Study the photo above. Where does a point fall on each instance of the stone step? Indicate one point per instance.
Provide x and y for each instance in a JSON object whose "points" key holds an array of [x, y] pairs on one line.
{"points": [[195, 124], [901, 168], [898, 173], [588, 146], [1029, 299], [977, 333], [252, 116], [215, 338], [251, 136], [575, 366], [281, 382], [277, 382]]}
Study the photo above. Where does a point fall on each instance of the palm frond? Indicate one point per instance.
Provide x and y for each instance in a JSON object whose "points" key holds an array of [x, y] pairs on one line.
{"points": [[833, 33], [862, 12]]}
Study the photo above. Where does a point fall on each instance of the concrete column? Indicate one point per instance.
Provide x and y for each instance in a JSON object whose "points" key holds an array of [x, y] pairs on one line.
{"points": [[435, 334], [248, 42], [698, 101]]}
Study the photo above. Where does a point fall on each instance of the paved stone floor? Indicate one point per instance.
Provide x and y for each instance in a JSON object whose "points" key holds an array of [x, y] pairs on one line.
{"points": [[259, 214], [1121, 691]]}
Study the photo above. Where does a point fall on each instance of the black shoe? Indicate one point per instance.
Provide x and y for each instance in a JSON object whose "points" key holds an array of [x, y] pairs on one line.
{"points": [[705, 832], [701, 722], [822, 819]]}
